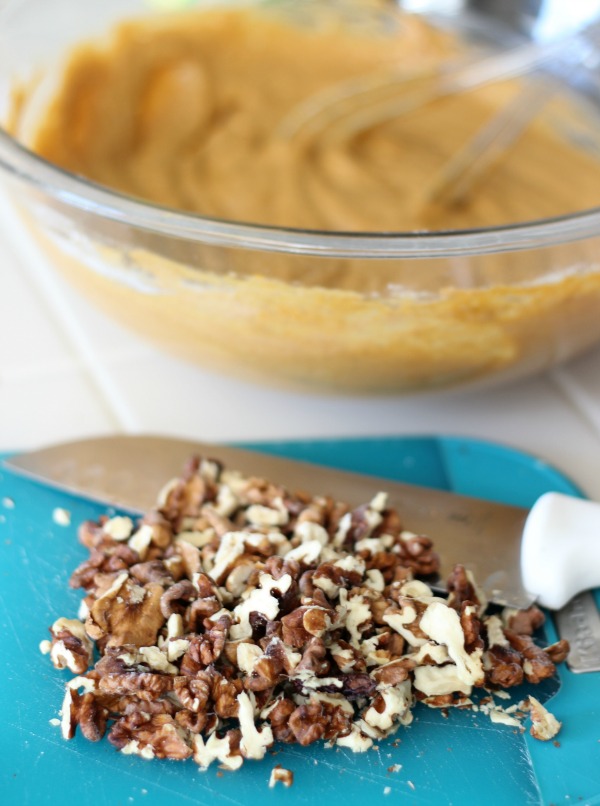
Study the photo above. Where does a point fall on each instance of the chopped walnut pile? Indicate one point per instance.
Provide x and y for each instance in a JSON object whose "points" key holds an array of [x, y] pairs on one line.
{"points": [[237, 614]]}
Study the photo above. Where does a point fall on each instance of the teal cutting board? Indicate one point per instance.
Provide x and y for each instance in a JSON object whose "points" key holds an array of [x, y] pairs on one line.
{"points": [[463, 759]]}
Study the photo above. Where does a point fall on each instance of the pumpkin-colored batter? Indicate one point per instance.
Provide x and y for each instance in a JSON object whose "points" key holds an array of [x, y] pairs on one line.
{"points": [[186, 111]]}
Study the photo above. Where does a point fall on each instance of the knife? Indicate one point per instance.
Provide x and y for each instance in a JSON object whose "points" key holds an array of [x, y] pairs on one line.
{"points": [[546, 555]]}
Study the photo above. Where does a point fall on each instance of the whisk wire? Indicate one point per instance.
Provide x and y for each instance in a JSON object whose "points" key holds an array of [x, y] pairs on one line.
{"points": [[343, 111]]}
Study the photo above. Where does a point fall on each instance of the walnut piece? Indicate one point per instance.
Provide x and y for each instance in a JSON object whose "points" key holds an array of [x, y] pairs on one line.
{"points": [[127, 614], [70, 647], [280, 775], [544, 725]]}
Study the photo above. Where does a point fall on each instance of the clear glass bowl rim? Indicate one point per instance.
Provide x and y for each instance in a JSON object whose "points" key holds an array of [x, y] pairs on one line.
{"points": [[78, 192]]}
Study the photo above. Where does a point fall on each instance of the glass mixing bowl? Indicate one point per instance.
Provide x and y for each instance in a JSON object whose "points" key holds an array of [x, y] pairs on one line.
{"points": [[355, 313]]}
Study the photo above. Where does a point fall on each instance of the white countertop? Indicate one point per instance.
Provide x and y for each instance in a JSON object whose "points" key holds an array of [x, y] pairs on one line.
{"points": [[66, 371]]}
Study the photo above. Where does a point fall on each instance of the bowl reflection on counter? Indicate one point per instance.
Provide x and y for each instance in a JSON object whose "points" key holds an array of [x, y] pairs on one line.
{"points": [[416, 311]]}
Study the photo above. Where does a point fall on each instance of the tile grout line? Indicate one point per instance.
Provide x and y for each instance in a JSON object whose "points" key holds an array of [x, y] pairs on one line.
{"points": [[580, 400], [120, 413]]}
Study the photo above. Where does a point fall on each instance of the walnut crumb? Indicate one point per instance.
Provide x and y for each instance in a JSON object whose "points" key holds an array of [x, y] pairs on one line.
{"points": [[544, 725], [280, 775], [62, 517]]}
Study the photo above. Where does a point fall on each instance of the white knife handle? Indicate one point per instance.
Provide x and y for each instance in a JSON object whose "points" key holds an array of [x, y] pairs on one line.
{"points": [[560, 550]]}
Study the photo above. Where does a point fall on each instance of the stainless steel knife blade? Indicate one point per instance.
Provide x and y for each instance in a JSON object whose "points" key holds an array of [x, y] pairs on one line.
{"points": [[128, 471]]}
